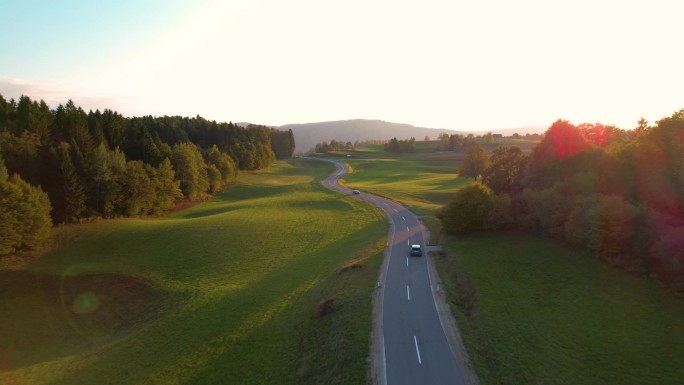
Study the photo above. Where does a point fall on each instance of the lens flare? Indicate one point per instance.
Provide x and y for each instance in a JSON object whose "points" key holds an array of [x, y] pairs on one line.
{"points": [[85, 303]]}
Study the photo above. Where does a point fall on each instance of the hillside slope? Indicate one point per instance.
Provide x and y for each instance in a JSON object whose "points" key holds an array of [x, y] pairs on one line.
{"points": [[308, 134]]}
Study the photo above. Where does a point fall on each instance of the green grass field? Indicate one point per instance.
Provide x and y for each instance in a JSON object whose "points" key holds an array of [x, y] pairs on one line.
{"points": [[537, 312], [422, 181], [226, 292], [531, 310]]}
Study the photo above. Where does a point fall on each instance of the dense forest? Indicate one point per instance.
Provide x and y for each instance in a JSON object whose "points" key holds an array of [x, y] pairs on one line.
{"points": [[618, 193], [63, 165]]}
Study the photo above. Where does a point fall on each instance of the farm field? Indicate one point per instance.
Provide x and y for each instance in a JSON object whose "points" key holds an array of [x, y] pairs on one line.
{"points": [[533, 310], [226, 292]]}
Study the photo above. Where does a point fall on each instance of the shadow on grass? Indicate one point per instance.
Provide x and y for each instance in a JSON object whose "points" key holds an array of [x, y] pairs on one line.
{"points": [[44, 317], [206, 212], [246, 336]]}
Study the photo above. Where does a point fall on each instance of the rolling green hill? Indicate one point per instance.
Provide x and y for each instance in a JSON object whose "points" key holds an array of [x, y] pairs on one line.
{"points": [[227, 292]]}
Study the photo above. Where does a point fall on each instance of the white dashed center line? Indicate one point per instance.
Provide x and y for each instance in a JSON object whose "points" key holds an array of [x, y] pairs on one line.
{"points": [[415, 340]]}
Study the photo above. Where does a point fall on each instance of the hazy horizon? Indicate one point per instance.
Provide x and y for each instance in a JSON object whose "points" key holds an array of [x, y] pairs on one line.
{"points": [[438, 64]]}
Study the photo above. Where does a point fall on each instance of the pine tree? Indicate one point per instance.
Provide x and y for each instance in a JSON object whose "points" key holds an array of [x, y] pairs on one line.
{"points": [[74, 194]]}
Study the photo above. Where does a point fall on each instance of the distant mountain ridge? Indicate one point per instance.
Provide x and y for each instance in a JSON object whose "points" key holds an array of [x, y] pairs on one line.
{"points": [[308, 134]]}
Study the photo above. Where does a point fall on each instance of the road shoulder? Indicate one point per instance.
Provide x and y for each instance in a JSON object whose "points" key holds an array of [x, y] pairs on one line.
{"points": [[450, 327]]}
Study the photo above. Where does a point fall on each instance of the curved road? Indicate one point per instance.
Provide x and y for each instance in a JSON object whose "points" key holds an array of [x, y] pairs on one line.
{"points": [[413, 345]]}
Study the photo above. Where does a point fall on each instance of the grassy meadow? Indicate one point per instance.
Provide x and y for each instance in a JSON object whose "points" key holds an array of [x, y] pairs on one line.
{"points": [[538, 312], [226, 292], [422, 181], [532, 310]]}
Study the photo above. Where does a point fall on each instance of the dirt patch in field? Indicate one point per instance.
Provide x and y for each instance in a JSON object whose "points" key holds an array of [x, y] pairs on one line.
{"points": [[350, 267], [325, 307]]}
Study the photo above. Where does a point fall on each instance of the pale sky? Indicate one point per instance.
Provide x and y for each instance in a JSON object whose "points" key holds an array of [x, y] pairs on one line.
{"points": [[464, 65]]}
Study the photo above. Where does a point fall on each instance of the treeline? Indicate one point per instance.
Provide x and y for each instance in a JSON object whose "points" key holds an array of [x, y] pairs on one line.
{"points": [[618, 193], [334, 145], [455, 142], [400, 145], [101, 164]]}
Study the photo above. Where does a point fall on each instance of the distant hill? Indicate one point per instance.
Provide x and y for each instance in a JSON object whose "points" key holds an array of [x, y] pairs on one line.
{"points": [[308, 134]]}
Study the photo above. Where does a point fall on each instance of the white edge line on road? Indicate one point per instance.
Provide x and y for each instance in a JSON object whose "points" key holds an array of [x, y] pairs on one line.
{"points": [[415, 340], [434, 300], [408, 293], [406, 261]]}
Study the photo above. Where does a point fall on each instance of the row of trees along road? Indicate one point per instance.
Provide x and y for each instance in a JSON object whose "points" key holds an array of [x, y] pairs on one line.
{"points": [[63, 165], [619, 193]]}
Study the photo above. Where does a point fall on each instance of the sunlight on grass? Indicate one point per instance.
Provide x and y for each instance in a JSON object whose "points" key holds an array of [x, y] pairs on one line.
{"points": [[183, 369], [237, 275], [420, 186]]}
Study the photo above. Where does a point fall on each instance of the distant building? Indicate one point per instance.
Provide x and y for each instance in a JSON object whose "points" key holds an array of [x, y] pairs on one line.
{"points": [[497, 136]]}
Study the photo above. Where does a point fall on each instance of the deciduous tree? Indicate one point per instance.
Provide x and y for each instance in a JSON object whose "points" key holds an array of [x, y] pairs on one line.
{"points": [[190, 170], [505, 171], [475, 161], [468, 210], [24, 213]]}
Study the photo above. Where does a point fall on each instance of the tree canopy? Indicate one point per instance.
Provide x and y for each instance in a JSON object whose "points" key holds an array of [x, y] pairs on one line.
{"points": [[474, 163], [398, 145], [618, 193], [103, 164]]}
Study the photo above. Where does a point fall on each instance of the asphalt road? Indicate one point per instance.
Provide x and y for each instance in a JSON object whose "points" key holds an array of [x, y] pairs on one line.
{"points": [[414, 347]]}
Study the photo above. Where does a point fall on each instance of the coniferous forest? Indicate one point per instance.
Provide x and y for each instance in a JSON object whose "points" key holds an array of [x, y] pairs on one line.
{"points": [[63, 165]]}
